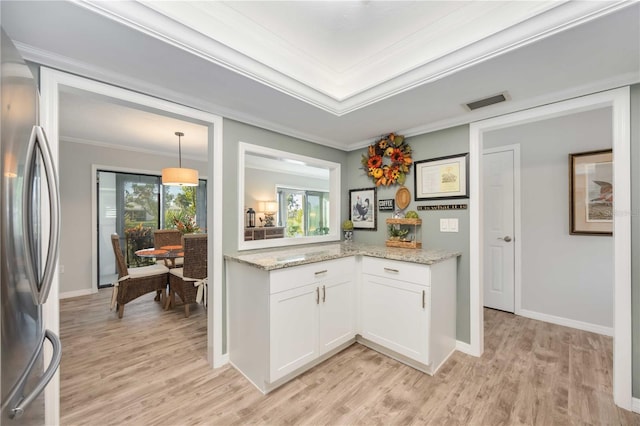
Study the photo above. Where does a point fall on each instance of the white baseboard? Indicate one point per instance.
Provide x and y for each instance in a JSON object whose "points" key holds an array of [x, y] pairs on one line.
{"points": [[224, 360], [76, 293], [635, 405], [464, 347], [580, 325]]}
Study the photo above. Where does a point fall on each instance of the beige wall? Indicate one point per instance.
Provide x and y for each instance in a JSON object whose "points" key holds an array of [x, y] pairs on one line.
{"points": [[567, 277], [76, 161]]}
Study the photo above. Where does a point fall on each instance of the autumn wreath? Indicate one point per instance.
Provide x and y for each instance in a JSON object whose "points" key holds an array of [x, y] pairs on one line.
{"points": [[397, 151]]}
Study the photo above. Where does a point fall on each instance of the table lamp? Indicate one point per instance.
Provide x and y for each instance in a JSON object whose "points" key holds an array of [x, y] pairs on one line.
{"points": [[270, 208]]}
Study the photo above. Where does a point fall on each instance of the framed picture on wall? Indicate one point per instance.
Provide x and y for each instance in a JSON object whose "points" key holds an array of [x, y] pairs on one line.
{"points": [[442, 178], [363, 208], [591, 193]]}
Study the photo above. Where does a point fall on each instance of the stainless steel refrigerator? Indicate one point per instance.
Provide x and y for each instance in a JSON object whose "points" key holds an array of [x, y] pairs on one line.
{"points": [[29, 240]]}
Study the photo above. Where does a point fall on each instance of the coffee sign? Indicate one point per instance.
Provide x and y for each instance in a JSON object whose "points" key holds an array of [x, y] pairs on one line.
{"points": [[386, 205]]}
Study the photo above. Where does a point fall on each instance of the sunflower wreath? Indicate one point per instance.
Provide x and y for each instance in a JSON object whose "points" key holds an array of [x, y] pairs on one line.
{"points": [[394, 171]]}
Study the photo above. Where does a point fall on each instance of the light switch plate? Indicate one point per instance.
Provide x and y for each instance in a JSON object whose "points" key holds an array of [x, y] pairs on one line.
{"points": [[444, 225], [453, 225]]}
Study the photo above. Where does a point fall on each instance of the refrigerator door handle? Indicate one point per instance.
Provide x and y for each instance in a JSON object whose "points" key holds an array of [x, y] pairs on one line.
{"points": [[38, 143], [22, 405]]}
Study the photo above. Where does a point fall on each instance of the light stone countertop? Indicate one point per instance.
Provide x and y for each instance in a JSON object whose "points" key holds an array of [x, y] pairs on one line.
{"points": [[278, 258]]}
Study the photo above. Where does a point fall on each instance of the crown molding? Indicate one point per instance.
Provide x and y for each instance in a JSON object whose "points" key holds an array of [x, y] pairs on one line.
{"points": [[57, 61], [512, 106], [144, 18], [63, 63], [129, 148]]}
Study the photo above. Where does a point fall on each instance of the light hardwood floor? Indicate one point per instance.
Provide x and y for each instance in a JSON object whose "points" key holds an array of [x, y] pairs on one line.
{"points": [[150, 369]]}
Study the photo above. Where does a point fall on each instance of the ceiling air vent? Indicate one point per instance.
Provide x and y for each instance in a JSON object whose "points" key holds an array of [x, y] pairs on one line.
{"points": [[481, 103]]}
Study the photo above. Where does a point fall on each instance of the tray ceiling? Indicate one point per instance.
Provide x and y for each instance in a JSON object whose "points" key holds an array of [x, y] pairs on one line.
{"points": [[338, 73], [344, 48]]}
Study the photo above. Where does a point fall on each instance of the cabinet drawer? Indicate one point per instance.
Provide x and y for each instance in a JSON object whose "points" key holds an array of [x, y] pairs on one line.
{"points": [[393, 269], [274, 233], [297, 276]]}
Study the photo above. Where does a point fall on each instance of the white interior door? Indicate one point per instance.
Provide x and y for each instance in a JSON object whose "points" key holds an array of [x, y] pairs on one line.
{"points": [[499, 248]]}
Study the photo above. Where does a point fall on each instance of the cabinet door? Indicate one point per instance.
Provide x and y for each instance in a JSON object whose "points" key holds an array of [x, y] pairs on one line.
{"points": [[294, 329], [337, 317], [395, 316]]}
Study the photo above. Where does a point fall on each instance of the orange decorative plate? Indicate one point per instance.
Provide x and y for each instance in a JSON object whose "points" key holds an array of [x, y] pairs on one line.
{"points": [[403, 198], [171, 247]]}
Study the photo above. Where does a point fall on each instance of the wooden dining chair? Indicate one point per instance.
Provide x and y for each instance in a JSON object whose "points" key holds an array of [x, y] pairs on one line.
{"points": [[168, 237], [135, 282], [186, 281]]}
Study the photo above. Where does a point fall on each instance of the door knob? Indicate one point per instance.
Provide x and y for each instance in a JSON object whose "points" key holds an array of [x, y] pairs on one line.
{"points": [[507, 238]]}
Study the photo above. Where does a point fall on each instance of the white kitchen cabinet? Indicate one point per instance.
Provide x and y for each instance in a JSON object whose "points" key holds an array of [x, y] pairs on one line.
{"points": [[394, 316], [286, 320], [410, 310], [336, 314], [294, 330]]}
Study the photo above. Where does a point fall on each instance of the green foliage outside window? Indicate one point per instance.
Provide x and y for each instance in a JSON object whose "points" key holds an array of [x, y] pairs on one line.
{"points": [[181, 214], [141, 202], [295, 216]]}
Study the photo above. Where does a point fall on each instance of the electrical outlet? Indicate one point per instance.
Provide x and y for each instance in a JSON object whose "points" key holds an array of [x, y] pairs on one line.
{"points": [[453, 225], [61, 269], [444, 225]]}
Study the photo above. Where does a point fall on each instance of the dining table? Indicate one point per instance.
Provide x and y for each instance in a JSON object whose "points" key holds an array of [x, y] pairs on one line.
{"points": [[168, 253]]}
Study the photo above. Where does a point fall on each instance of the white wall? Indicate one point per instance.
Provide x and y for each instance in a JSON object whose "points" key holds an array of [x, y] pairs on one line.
{"points": [[565, 276], [76, 160], [260, 185]]}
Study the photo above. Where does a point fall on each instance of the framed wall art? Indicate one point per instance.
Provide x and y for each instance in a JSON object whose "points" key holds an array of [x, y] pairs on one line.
{"points": [[363, 208], [591, 193], [442, 178]]}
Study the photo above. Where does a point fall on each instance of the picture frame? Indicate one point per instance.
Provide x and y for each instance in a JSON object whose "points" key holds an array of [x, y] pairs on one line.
{"points": [[591, 193], [442, 178], [363, 205]]}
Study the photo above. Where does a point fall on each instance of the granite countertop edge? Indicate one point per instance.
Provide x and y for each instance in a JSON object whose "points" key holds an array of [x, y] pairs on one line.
{"points": [[287, 257]]}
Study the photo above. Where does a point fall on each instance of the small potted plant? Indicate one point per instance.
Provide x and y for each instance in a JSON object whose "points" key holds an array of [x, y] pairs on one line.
{"points": [[397, 234], [347, 229]]}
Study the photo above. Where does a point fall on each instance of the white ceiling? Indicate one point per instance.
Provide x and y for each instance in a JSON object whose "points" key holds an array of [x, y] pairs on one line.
{"points": [[99, 120], [336, 73], [284, 165], [344, 48]]}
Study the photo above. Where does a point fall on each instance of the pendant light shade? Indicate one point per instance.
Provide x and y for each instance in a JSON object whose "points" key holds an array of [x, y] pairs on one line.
{"points": [[179, 176]]}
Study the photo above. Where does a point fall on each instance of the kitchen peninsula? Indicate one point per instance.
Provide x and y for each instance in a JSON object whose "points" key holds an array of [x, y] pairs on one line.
{"points": [[292, 308]]}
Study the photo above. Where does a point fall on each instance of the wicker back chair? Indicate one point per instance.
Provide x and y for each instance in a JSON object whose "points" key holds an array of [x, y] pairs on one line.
{"points": [[185, 281], [168, 237], [135, 282]]}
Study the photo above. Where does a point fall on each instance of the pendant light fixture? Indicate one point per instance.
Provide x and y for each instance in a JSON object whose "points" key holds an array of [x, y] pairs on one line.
{"points": [[179, 176]]}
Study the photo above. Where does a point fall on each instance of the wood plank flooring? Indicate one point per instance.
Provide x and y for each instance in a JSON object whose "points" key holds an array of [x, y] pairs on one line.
{"points": [[150, 368]]}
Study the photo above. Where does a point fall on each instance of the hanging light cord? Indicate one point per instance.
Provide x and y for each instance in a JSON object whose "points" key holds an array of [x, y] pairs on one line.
{"points": [[179, 135]]}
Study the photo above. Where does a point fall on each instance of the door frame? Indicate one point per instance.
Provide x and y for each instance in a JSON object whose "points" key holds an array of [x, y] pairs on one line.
{"points": [[95, 168], [619, 102], [517, 229], [51, 82]]}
